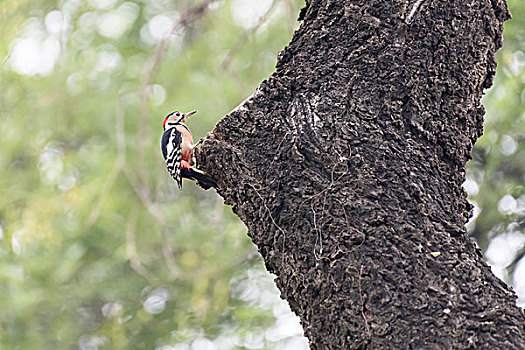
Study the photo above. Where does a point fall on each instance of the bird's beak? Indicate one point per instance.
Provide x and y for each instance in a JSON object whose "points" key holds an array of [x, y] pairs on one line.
{"points": [[186, 115]]}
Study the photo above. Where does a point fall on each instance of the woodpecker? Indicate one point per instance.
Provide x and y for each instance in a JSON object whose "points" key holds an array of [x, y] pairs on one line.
{"points": [[177, 148]]}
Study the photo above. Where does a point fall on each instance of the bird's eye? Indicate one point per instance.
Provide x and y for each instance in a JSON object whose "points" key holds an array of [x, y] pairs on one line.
{"points": [[178, 114]]}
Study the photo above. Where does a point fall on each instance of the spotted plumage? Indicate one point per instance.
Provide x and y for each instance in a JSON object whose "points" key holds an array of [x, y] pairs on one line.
{"points": [[172, 152], [177, 148]]}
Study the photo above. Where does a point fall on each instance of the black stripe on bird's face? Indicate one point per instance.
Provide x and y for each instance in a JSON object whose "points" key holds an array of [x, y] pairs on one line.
{"points": [[172, 119], [177, 118]]}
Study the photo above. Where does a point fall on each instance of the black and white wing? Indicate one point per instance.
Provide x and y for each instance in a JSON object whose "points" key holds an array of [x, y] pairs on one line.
{"points": [[172, 152]]}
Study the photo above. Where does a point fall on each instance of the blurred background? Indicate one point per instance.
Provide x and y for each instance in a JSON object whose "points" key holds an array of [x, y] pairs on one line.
{"points": [[98, 249]]}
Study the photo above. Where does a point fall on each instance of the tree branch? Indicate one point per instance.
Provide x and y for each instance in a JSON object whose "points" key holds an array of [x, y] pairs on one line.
{"points": [[347, 166]]}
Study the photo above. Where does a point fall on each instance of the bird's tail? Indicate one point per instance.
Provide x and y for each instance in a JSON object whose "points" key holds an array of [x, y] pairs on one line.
{"points": [[202, 178]]}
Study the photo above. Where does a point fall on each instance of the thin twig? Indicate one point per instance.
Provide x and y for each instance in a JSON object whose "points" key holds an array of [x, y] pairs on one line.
{"points": [[512, 265], [167, 250], [244, 37], [318, 235], [131, 250], [119, 162], [271, 218], [269, 212]]}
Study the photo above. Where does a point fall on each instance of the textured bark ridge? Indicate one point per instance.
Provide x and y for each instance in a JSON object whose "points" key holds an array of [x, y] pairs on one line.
{"points": [[346, 166]]}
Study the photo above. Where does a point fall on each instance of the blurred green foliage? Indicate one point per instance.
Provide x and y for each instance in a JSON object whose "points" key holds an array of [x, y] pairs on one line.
{"points": [[98, 250], [496, 174]]}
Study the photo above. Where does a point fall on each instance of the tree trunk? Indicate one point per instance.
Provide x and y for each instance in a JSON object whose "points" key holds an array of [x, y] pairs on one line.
{"points": [[346, 166]]}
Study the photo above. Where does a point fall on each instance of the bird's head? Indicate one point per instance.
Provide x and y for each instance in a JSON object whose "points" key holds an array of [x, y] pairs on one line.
{"points": [[175, 118]]}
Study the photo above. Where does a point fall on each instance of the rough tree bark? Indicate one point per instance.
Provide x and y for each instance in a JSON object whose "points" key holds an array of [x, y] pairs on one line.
{"points": [[346, 165]]}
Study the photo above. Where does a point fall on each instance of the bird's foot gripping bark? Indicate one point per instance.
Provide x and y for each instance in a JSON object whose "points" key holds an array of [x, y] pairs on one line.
{"points": [[197, 144], [185, 165]]}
